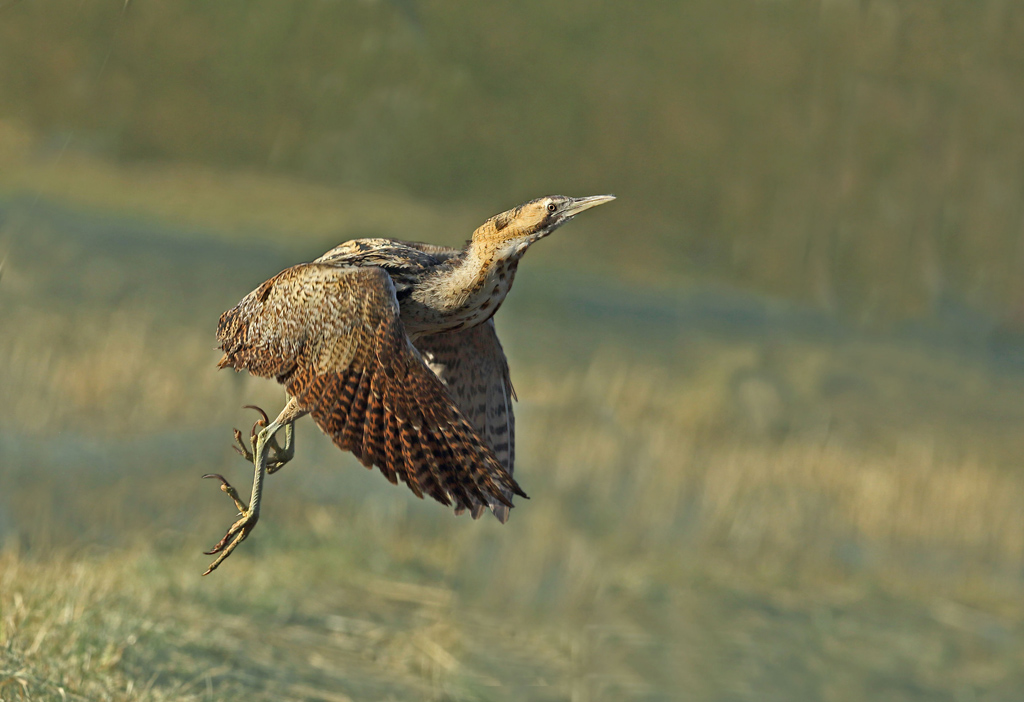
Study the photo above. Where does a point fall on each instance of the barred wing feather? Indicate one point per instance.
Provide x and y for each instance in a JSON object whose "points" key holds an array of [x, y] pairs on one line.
{"points": [[333, 336], [472, 364]]}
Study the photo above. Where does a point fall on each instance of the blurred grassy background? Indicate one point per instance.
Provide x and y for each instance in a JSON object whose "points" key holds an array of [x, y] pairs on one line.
{"points": [[861, 155], [773, 447]]}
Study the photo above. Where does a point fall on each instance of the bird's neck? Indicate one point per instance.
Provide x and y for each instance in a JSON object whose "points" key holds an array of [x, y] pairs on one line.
{"points": [[469, 288]]}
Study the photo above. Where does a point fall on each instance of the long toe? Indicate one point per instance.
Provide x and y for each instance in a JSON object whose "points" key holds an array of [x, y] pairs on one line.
{"points": [[235, 535], [230, 491], [276, 463], [219, 546], [240, 447]]}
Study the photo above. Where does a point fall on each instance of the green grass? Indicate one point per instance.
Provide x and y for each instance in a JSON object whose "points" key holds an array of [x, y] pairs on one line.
{"points": [[717, 512]]}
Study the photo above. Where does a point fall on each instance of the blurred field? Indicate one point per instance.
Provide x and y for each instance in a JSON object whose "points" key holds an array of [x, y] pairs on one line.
{"points": [[733, 498], [771, 398], [860, 155]]}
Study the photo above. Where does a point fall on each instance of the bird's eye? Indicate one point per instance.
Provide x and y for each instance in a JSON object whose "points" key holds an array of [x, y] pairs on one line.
{"points": [[552, 207]]}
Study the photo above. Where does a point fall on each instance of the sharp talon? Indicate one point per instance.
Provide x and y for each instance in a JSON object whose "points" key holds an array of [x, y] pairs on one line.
{"points": [[241, 529], [266, 420], [236, 534], [263, 421], [227, 489], [216, 549], [219, 546]]}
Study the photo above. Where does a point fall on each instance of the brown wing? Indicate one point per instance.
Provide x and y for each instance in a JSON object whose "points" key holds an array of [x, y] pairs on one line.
{"points": [[472, 364], [332, 335]]}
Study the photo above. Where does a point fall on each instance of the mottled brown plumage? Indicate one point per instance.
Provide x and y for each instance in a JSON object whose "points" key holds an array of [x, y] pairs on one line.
{"points": [[473, 366], [390, 346], [331, 334]]}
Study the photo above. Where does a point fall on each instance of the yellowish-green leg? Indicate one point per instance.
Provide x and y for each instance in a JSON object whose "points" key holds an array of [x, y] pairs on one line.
{"points": [[250, 514], [281, 455]]}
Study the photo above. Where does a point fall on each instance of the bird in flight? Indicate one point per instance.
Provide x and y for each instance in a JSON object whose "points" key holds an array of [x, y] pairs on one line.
{"points": [[390, 347]]}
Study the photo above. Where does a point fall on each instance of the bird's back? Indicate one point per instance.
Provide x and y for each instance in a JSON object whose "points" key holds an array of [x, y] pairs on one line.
{"points": [[435, 292], [407, 262]]}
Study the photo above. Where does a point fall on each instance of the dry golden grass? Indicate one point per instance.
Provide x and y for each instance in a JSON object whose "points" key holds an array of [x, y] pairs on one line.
{"points": [[146, 628], [716, 515], [648, 526], [740, 516]]}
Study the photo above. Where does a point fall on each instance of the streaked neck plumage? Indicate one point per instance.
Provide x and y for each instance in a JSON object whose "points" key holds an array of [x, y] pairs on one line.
{"points": [[468, 289], [464, 291]]}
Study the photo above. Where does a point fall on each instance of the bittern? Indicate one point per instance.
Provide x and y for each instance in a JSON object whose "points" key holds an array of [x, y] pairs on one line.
{"points": [[390, 346]]}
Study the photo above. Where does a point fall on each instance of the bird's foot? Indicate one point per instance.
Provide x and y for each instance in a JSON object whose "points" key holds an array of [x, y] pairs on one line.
{"points": [[248, 452], [238, 531], [230, 491], [277, 459]]}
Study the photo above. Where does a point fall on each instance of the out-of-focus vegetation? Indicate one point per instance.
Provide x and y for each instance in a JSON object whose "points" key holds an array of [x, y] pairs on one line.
{"points": [[730, 497], [864, 156], [812, 494]]}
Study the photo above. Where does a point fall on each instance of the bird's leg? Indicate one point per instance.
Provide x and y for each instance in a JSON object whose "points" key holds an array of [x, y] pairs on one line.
{"points": [[250, 514], [281, 454], [240, 446]]}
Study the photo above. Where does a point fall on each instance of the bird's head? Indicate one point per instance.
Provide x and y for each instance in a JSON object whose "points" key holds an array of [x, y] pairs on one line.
{"points": [[511, 232]]}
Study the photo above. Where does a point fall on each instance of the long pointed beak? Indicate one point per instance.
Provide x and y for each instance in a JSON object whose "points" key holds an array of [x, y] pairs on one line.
{"points": [[579, 204]]}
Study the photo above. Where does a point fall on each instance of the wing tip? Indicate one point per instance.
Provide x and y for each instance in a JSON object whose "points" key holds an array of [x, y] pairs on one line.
{"points": [[501, 512]]}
